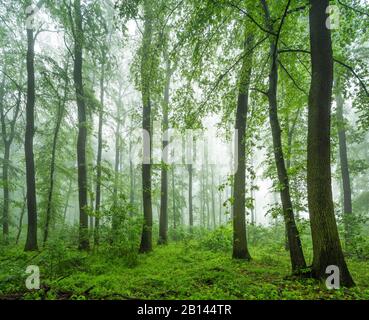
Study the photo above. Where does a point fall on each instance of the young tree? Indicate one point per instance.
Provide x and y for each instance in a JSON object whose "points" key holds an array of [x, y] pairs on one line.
{"points": [[8, 134], [163, 220], [294, 243], [345, 173], [59, 118], [240, 249]]}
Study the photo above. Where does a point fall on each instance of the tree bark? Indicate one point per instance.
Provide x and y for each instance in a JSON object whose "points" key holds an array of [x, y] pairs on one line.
{"points": [[20, 225], [326, 243], [213, 197], [294, 243], [60, 115], [345, 173], [163, 219], [146, 66], [190, 206], [174, 201], [67, 201], [240, 249], [31, 243], [98, 160], [82, 128]]}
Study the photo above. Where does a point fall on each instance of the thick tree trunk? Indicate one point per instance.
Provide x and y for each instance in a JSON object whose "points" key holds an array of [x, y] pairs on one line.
{"points": [[294, 243], [345, 173], [146, 66], [163, 219], [240, 249], [31, 243], [82, 129], [326, 243]]}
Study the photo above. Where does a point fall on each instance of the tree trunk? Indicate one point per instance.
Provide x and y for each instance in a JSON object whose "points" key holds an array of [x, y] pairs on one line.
{"points": [[31, 243], [190, 207], [146, 239], [59, 119], [82, 128], [67, 201], [163, 219], [345, 173], [326, 243], [6, 191], [213, 197], [173, 201], [98, 161], [240, 249], [294, 243], [20, 225], [131, 178]]}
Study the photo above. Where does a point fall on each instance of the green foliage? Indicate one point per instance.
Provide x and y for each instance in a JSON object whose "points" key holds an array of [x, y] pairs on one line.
{"points": [[201, 273], [219, 239]]}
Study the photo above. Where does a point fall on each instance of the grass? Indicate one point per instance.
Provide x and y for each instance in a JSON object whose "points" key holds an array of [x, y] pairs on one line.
{"points": [[183, 270]]}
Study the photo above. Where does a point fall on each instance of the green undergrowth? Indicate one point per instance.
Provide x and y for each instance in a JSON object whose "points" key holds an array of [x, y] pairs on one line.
{"points": [[182, 270]]}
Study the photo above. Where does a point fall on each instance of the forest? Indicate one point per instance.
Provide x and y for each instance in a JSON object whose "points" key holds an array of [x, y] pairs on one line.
{"points": [[184, 150]]}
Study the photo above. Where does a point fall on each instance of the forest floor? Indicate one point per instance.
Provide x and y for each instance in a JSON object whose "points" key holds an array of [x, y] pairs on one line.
{"points": [[180, 270]]}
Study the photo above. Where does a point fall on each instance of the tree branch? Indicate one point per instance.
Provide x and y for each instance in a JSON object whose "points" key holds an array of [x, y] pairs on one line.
{"points": [[335, 60]]}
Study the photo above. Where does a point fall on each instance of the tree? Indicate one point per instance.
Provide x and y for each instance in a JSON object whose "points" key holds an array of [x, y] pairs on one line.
{"points": [[240, 249], [163, 219], [8, 134], [99, 150], [59, 117], [82, 127], [294, 243], [345, 173], [326, 243], [31, 243], [146, 72]]}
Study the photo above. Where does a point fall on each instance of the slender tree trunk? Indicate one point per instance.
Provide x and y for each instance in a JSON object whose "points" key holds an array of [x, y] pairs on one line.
{"points": [[98, 161], [131, 179], [296, 254], [31, 243], [190, 205], [163, 223], [5, 175], [146, 66], [20, 224], [326, 243], [82, 128], [67, 201], [220, 204], [240, 249], [345, 173], [59, 120], [174, 201], [202, 200], [6, 191], [213, 197]]}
